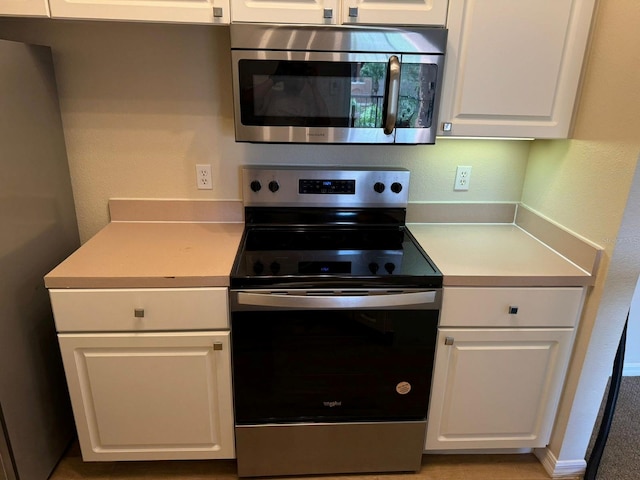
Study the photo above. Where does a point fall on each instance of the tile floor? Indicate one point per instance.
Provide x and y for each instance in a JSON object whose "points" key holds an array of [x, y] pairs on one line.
{"points": [[434, 467]]}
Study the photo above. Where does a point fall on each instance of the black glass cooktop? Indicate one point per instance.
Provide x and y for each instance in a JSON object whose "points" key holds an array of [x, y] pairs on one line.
{"points": [[340, 257]]}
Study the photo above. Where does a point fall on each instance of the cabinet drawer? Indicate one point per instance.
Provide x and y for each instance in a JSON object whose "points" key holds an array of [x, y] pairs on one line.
{"points": [[490, 307], [149, 309]]}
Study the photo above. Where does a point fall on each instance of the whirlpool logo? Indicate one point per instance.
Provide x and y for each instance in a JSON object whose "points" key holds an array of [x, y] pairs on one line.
{"points": [[333, 403]]}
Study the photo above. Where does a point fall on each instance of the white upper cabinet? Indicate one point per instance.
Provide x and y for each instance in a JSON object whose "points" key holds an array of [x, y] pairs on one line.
{"points": [[513, 67], [400, 12], [332, 12], [173, 11], [285, 11], [24, 8]]}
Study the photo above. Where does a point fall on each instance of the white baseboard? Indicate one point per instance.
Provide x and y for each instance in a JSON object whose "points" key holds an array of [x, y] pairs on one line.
{"points": [[560, 468], [631, 370]]}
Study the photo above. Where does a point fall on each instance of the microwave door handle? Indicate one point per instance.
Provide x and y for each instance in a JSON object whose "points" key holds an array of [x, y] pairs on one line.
{"points": [[391, 95]]}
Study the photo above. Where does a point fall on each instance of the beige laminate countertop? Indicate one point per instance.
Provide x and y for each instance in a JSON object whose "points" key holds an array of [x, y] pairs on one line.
{"points": [[140, 255], [176, 254], [495, 255]]}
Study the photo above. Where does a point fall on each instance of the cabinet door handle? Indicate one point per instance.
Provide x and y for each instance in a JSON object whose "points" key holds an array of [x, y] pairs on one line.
{"points": [[138, 313], [328, 13], [513, 310], [217, 346], [353, 12], [448, 340], [218, 12]]}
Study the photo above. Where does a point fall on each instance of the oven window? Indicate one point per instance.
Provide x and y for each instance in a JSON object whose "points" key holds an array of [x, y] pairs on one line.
{"points": [[332, 366], [312, 93]]}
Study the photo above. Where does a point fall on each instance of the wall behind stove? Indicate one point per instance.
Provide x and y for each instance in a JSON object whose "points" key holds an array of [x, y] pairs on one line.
{"points": [[143, 103]]}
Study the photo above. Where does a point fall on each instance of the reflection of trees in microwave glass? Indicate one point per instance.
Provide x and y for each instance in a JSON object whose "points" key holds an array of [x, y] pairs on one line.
{"points": [[415, 104], [366, 95]]}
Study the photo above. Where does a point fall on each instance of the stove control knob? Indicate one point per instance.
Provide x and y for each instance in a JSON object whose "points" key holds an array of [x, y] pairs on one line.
{"points": [[373, 267], [255, 186], [273, 186], [258, 267], [396, 187], [378, 187], [389, 267], [274, 267]]}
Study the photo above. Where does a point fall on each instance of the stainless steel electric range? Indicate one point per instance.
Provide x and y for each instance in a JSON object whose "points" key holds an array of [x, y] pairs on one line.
{"points": [[334, 311]]}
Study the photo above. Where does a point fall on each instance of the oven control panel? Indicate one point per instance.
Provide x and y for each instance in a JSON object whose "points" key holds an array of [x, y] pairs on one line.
{"points": [[325, 187]]}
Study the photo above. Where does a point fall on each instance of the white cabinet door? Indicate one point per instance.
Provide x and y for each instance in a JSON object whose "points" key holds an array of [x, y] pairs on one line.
{"points": [[173, 11], [150, 396], [24, 8], [513, 67], [496, 388], [286, 11], [400, 12]]}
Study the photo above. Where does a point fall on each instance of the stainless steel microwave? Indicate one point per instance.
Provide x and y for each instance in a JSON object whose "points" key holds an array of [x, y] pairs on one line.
{"points": [[336, 84]]}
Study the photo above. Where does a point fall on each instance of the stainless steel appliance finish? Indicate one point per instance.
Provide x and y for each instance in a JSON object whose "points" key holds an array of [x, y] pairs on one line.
{"points": [[336, 84], [334, 313], [281, 187], [39, 230], [333, 299], [330, 448]]}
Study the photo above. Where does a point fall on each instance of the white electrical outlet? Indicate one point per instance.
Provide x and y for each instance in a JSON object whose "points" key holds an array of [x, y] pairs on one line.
{"points": [[203, 177], [463, 176]]}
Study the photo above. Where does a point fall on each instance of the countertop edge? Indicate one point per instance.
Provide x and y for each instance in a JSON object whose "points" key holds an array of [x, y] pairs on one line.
{"points": [[506, 281], [136, 282]]}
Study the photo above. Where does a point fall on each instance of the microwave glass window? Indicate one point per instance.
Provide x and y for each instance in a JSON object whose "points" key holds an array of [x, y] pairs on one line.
{"points": [[417, 95], [312, 94]]}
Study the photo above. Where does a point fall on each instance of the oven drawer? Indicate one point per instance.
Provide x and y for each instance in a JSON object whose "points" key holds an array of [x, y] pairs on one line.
{"points": [[147, 309], [510, 307]]}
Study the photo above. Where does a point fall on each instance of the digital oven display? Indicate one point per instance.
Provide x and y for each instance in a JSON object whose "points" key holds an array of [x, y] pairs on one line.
{"points": [[324, 267], [340, 187]]}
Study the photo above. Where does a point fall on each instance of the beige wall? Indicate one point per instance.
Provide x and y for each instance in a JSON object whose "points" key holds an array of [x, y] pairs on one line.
{"points": [[143, 103], [583, 184]]}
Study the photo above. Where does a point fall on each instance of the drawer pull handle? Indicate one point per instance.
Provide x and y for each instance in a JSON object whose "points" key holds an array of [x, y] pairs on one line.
{"points": [[448, 340], [138, 313], [217, 346], [513, 310]]}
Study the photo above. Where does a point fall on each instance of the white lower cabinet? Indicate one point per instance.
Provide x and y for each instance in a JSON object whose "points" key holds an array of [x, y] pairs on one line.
{"points": [[148, 395], [496, 386]]}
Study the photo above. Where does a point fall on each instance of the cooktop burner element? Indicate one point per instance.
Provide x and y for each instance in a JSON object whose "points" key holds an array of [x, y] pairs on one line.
{"points": [[329, 227]]}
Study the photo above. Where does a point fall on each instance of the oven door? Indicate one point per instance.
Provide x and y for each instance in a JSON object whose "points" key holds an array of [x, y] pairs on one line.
{"points": [[331, 97], [323, 357]]}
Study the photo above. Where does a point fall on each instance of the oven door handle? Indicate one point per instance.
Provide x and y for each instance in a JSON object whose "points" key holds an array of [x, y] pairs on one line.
{"points": [[305, 301]]}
